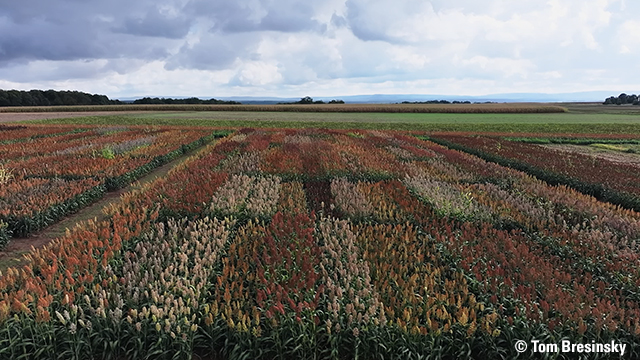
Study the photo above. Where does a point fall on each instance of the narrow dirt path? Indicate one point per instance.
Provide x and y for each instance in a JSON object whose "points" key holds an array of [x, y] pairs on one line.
{"points": [[12, 255]]}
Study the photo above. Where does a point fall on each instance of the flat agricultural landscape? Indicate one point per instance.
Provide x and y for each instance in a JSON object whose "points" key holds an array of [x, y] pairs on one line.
{"points": [[515, 118], [321, 235]]}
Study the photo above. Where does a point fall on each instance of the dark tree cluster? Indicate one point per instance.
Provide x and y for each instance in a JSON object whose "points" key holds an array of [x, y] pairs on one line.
{"points": [[309, 100], [51, 98], [188, 101], [437, 102], [622, 99]]}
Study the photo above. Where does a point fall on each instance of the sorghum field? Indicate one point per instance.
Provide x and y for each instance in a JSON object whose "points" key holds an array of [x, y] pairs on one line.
{"points": [[610, 180], [313, 244], [49, 172]]}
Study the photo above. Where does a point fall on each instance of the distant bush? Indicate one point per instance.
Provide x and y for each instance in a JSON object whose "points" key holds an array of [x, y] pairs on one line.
{"points": [[622, 99]]}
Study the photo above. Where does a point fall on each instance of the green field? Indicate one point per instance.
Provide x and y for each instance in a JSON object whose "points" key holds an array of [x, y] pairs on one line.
{"points": [[548, 123]]}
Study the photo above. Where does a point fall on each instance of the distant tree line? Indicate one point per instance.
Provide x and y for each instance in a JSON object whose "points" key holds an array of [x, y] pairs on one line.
{"points": [[622, 99], [192, 100], [437, 102], [309, 100], [52, 98]]}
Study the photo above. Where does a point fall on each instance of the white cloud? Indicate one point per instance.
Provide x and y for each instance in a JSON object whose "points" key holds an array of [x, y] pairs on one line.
{"points": [[257, 74], [499, 67], [264, 47], [409, 58], [628, 37]]}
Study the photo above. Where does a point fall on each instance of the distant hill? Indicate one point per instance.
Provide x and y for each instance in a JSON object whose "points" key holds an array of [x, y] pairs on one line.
{"points": [[586, 96]]}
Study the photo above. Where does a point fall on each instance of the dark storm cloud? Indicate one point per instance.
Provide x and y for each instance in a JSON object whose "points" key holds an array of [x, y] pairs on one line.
{"points": [[60, 30], [288, 22], [47, 41], [260, 15], [73, 30], [361, 25], [155, 24], [229, 16], [214, 52]]}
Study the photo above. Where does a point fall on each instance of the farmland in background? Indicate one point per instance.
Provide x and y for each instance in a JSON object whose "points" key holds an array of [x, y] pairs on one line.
{"points": [[318, 243], [566, 123], [324, 108]]}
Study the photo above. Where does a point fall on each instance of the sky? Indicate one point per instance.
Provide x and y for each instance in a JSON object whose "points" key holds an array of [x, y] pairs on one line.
{"points": [[294, 48]]}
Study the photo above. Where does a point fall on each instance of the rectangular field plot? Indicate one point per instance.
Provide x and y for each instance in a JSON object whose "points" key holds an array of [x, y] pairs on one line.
{"points": [[48, 172], [329, 244], [613, 177]]}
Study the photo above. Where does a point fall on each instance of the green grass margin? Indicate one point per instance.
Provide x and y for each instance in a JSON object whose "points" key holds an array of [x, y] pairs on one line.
{"points": [[507, 123]]}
